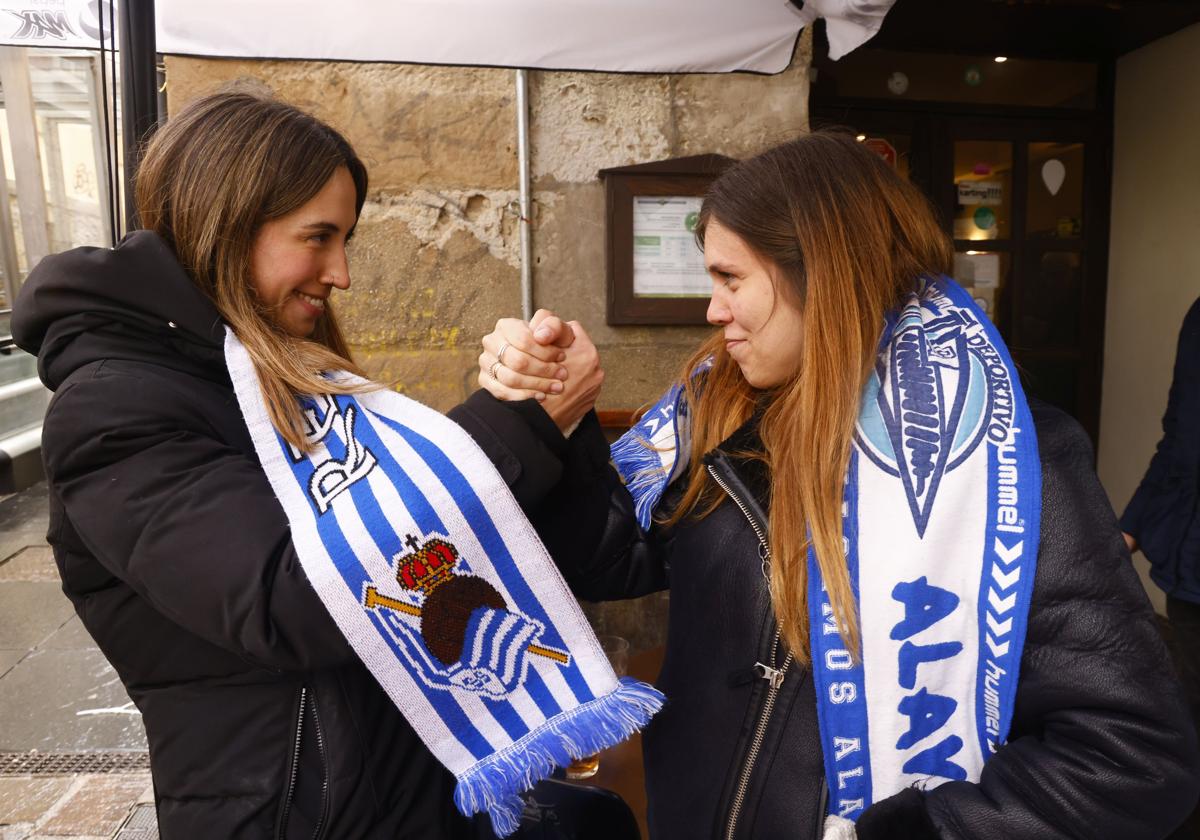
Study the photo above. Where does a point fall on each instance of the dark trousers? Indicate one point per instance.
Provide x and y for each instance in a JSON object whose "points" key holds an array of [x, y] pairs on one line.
{"points": [[1184, 617]]}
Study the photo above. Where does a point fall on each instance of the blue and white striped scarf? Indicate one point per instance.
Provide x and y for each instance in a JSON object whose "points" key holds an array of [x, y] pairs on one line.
{"points": [[422, 556], [941, 525]]}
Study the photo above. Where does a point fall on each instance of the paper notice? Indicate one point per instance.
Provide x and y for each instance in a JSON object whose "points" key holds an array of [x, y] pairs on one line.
{"points": [[667, 262]]}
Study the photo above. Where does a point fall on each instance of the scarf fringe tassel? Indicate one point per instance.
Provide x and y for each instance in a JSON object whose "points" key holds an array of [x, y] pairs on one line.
{"points": [[495, 783], [641, 465]]}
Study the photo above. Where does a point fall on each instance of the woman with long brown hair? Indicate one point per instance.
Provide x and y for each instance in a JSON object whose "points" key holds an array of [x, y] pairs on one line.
{"points": [[900, 607], [282, 697], [172, 547]]}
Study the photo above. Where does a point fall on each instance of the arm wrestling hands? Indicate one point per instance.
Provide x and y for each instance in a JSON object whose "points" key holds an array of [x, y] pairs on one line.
{"points": [[548, 359]]}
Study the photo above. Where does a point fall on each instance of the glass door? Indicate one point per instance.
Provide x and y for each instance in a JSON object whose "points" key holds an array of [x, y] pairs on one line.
{"points": [[983, 223], [1024, 199], [1018, 191]]}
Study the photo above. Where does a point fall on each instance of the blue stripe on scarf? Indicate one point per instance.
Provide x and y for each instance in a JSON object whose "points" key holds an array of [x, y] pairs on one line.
{"points": [[839, 682], [476, 515], [427, 520], [1031, 497], [496, 638], [640, 463], [355, 578], [389, 542], [996, 685]]}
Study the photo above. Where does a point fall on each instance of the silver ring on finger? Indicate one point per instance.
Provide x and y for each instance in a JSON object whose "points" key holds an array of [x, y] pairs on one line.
{"points": [[492, 369], [500, 355]]}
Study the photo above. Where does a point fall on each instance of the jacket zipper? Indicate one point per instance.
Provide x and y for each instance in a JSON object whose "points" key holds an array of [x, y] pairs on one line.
{"points": [[773, 676], [764, 550], [324, 769], [291, 788]]}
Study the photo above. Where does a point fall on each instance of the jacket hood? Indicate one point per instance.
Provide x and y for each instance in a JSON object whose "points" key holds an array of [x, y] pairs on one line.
{"points": [[131, 302]]}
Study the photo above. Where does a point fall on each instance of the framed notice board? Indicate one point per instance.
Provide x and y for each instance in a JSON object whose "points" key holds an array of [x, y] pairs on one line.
{"points": [[655, 269]]}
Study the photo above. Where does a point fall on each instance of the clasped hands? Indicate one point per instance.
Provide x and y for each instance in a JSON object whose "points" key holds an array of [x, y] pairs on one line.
{"points": [[548, 359]]}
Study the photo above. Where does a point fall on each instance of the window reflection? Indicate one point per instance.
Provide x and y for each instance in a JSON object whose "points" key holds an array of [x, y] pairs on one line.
{"points": [[983, 184], [1054, 380], [1050, 296], [1055, 190], [895, 150], [69, 155], [984, 275], [54, 175]]}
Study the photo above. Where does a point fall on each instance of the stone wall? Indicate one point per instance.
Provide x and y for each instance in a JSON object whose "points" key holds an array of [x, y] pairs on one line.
{"points": [[435, 260]]}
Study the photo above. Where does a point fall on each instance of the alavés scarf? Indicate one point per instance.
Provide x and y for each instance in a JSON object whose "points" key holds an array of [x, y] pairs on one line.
{"points": [[940, 523], [422, 556]]}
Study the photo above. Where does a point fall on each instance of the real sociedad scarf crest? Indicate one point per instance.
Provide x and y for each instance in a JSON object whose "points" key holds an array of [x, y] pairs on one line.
{"points": [[418, 550], [940, 523], [454, 628]]}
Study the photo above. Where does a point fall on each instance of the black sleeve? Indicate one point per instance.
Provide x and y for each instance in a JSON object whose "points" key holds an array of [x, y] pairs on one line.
{"points": [[185, 519], [572, 495], [1101, 744], [520, 439], [1176, 461]]}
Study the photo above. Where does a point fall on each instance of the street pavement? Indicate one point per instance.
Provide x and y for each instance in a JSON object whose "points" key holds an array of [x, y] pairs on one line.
{"points": [[72, 746]]}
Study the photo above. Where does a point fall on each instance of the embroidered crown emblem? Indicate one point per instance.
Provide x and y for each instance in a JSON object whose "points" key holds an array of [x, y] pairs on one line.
{"points": [[427, 566]]}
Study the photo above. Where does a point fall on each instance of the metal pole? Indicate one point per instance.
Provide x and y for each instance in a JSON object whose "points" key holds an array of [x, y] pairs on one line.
{"points": [[139, 90], [524, 204]]}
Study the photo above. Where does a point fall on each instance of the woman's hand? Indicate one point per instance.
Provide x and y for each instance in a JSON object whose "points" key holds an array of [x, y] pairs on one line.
{"points": [[548, 360], [532, 354], [582, 387]]}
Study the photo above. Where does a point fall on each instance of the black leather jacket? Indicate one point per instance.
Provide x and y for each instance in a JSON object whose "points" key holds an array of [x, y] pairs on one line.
{"points": [[1101, 745]]}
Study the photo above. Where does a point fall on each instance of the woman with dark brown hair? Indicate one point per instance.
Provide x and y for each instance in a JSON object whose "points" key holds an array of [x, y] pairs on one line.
{"points": [[171, 542], [900, 605]]}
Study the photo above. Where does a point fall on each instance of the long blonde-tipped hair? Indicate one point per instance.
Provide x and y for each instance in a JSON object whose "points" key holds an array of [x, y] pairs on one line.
{"points": [[206, 183], [848, 237]]}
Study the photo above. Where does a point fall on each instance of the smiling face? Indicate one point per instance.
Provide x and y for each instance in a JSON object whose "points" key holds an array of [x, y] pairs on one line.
{"points": [[762, 326], [299, 258]]}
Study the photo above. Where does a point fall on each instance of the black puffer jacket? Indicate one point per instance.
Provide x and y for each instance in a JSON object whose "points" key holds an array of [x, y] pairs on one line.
{"points": [[178, 558], [1101, 746]]}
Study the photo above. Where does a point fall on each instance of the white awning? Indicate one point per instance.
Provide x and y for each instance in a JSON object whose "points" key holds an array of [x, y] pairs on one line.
{"points": [[57, 23], [650, 36]]}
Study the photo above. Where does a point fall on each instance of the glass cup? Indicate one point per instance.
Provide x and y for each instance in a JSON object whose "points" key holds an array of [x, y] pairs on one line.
{"points": [[616, 649], [584, 768]]}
